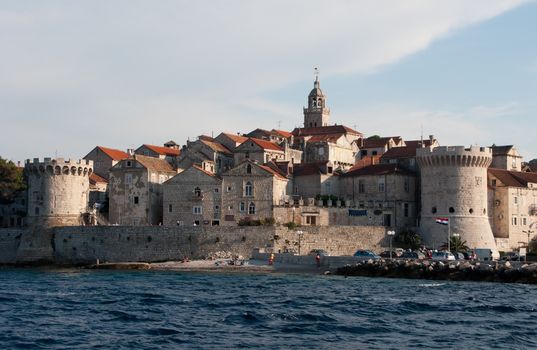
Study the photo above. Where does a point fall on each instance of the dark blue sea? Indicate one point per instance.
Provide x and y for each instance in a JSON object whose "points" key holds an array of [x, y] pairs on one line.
{"points": [[81, 309]]}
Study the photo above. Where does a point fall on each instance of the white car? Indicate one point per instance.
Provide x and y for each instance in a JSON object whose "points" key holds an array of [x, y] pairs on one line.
{"points": [[443, 256]]}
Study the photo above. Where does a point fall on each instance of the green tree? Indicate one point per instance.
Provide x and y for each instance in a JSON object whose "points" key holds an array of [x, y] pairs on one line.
{"points": [[408, 238], [11, 179], [456, 244]]}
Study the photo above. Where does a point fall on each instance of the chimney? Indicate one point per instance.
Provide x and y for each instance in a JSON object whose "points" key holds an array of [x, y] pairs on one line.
{"points": [[431, 138], [130, 151]]}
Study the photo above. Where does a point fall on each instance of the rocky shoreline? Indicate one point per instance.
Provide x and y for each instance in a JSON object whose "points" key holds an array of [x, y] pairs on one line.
{"points": [[503, 272]]}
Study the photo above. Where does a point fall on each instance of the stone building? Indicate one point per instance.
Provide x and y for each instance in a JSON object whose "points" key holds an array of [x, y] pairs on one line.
{"points": [[135, 190], [193, 198], [513, 207], [315, 179], [277, 136], [13, 212], [506, 157], [58, 191], [104, 159], [205, 149], [257, 150], [383, 194], [230, 141], [250, 190], [98, 189], [454, 186], [405, 155]]}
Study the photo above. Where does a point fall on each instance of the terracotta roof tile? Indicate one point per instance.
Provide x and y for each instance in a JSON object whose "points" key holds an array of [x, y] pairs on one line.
{"points": [[365, 161], [513, 178], [196, 166], [376, 142], [265, 144], [272, 171], [500, 150], [115, 154], [305, 169], [408, 151], [172, 152], [282, 133], [94, 178], [236, 138]]}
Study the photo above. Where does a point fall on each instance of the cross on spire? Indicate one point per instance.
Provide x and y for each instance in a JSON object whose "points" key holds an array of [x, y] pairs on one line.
{"points": [[316, 73]]}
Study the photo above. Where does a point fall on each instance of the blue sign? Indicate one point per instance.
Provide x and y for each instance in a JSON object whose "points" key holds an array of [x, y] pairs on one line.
{"points": [[355, 212]]}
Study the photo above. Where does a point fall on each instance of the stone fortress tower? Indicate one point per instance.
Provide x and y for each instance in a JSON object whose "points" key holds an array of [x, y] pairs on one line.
{"points": [[454, 186], [58, 191]]}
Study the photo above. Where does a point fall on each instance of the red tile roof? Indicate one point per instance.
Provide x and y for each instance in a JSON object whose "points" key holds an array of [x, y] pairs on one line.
{"points": [[325, 138], [513, 178], [172, 152], [236, 138], [115, 154], [320, 130], [409, 151], [377, 169], [376, 142], [305, 169], [282, 133], [272, 171], [365, 161], [265, 144], [94, 178], [501, 150]]}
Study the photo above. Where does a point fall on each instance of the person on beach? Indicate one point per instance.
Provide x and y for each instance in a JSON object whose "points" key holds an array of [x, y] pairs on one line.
{"points": [[318, 260], [271, 259]]}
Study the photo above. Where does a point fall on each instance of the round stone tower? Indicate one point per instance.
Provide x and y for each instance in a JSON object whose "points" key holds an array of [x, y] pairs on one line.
{"points": [[454, 186], [58, 191]]}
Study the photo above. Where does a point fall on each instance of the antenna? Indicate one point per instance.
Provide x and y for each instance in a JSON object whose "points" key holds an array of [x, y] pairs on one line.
{"points": [[421, 125], [279, 124], [316, 73]]}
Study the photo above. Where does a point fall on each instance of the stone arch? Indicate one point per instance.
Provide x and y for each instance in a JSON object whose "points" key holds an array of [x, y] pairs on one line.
{"points": [[57, 170], [41, 168], [73, 170], [80, 170], [65, 170], [50, 169]]}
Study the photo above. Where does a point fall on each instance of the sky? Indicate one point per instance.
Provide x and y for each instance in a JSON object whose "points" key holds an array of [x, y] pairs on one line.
{"points": [[121, 73]]}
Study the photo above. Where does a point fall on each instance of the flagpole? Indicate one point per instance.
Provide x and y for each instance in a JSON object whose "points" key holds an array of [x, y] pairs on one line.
{"points": [[448, 234]]}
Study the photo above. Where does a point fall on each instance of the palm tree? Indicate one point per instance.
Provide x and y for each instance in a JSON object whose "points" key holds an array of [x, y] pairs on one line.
{"points": [[408, 239], [456, 245]]}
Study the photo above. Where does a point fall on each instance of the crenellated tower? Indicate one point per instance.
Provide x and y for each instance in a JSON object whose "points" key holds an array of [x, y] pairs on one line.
{"points": [[454, 186], [58, 191]]}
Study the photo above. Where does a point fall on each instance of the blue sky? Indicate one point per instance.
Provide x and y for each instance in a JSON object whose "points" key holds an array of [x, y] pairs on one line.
{"points": [[123, 73]]}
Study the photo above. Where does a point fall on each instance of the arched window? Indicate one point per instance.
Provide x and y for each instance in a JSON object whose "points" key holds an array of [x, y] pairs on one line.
{"points": [[248, 189], [248, 169], [251, 208], [197, 192], [247, 155]]}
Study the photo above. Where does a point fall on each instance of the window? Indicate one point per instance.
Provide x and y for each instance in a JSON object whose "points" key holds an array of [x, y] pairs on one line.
{"points": [[128, 179], [170, 208], [229, 188], [516, 200], [230, 207], [248, 189], [196, 222], [405, 210], [381, 185], [242, 207], [329, 170], [524, 222], [514, 221], [251, 209], [513, 163], [374, 153], [361, 186], [136, 200], [247, 155], [433, 210], [363, 152], [216, 190], [451, 209], [217, 208], [197, 192], [493, 182], [196, 210], [249, 168], [129, 164]]}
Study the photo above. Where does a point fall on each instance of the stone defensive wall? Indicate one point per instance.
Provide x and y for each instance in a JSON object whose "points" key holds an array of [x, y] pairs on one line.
{"points": [[86, 244], [454, 186]]}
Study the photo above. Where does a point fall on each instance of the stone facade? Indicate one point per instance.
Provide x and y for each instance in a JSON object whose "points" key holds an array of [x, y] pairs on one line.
{"points": [[454, 186], [193, 198], [104, 159], [250, 190], [506, 157], [513, 207], [205, 149], [257, 150], [136, 190], [58, 191]]}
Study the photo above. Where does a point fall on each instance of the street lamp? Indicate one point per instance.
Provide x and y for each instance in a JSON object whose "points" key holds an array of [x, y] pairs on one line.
{"points": [[528, 232], [391, 234], [299, 233]]}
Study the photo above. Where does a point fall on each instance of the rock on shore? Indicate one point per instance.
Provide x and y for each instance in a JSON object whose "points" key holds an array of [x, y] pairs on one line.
{"points": [[444, 270]]}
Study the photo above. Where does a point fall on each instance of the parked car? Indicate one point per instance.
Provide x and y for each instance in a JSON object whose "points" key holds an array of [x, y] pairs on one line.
{"points": [[321, 252], [459, 256], [366, 254], [413, 255], [511, 256], [386, 254], [443, 256]]}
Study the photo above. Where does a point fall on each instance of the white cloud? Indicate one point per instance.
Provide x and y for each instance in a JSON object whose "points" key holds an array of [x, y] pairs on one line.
{"points": [[190, 67]]}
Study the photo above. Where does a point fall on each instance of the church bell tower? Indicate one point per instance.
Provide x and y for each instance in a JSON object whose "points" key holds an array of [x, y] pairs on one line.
{"points": [[316, 114]]}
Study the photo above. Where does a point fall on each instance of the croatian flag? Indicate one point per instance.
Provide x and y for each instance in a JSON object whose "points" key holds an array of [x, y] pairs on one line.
{"points": [[442, 221]]}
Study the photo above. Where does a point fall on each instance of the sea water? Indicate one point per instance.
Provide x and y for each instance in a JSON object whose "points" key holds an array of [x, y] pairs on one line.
{"points": [[83, 309]]}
